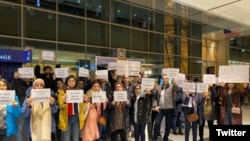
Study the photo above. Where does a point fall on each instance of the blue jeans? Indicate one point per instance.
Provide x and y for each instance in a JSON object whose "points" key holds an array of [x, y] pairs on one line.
{"points": [[177, 123], [101, 130], [140, 132], [73, 129], [188, 126], [20, 123], [228, 116], [168, 113]]}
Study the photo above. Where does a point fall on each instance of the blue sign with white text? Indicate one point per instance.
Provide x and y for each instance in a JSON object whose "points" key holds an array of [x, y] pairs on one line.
{"points": [[15, 56]]}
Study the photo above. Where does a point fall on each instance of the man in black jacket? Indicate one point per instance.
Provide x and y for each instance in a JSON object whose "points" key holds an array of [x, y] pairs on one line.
{"points": [[48, 75]]}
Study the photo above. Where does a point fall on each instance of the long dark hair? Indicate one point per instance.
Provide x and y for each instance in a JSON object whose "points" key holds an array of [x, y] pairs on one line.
{"points": [[6, 83], [69, 77]]}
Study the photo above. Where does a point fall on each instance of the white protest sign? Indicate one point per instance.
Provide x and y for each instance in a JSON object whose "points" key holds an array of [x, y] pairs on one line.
{"points": [[112, 66], [26, 72], [180, 79], [209, 78], [189, 87], [7, 97], [202, 87], [134, 68], [98, 97], [120, 95], [62, 72], [74, 96], [122, 67], [147, 83], [83, 72], [48, 55], [173, 72], [41, 95], [234, 74], [101, 74], [164, 71]]}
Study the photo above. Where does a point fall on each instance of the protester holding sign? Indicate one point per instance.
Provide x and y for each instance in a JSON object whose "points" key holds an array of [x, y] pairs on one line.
{"points": [[229, 99], [208, 111], [38, 114], [141, 111], [8, 115], [119, 115], [48, 75], [71, 116], [95, 120]]}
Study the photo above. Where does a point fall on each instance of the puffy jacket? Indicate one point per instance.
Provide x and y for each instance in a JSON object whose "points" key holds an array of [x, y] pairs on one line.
{"points": [[13, 112], [63, 115], [27, 112]]}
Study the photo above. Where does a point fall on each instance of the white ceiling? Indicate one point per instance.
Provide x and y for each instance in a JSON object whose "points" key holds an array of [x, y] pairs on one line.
{"points": [[233, 13]]}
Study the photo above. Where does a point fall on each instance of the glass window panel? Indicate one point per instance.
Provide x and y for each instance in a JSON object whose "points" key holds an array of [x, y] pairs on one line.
{"points": [[97, 33], [159, 22], [183, 27], [73, 57], [158, 5], [156, 21], [169, 45], [46, 4], [144, 3], [139, 55], [184, 65], [139, 40], [75, 7], [37, 48], [38, 24], [93, 51], [184, 47], [120, 37], [194, 48], [157, 59], [71, 29], [195, 30], [169, 25], [140, 17], [156, 42], [11, 20], [9, 43], [195, 66], [120, 13], [15, 1], [168, 61], [233, 54], [98, 9]]}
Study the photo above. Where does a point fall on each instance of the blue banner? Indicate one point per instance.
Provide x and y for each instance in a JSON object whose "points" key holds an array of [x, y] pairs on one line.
{"points": [[15, 56]]}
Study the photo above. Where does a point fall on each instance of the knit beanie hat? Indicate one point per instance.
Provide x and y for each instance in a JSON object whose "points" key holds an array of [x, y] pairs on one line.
{"points": [[37, 81]]}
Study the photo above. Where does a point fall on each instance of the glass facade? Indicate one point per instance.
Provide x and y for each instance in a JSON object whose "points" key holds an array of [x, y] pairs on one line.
{"points": [[157, 32]]}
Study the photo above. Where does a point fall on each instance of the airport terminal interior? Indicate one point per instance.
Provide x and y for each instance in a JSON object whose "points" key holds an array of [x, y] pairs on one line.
{"points": [[196, 36]]}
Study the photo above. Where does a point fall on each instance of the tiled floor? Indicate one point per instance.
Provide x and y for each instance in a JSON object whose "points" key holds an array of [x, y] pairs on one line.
{"points": [[246, 120]]}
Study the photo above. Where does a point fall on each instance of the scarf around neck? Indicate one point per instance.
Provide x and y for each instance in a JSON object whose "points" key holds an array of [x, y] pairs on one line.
{"points": [[40, 123]]}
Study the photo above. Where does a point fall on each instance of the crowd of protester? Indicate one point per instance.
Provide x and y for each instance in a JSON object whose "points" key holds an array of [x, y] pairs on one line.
{"points": [[142, 111]]}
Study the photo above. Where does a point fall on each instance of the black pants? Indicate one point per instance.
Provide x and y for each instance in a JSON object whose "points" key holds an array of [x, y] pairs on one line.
{"points": [[120, 132], [201, 129]]}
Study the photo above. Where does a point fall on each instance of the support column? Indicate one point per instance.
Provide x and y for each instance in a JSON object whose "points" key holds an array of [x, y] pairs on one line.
{"points": [[222, 53]]}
